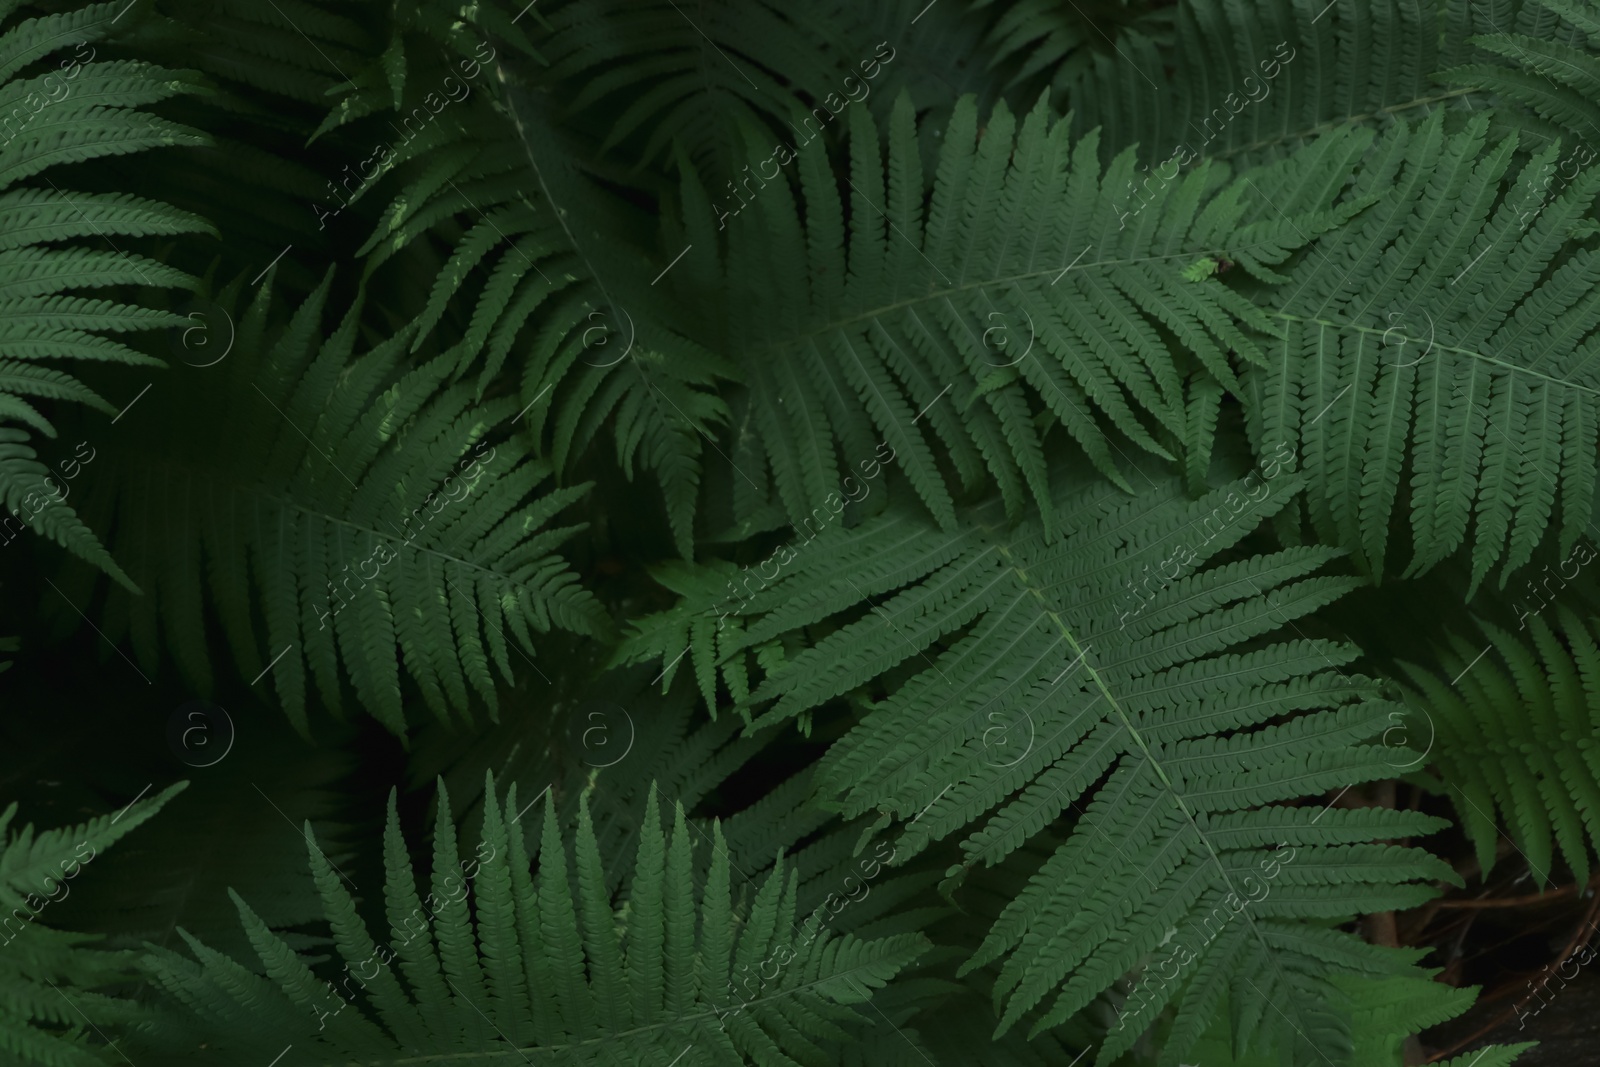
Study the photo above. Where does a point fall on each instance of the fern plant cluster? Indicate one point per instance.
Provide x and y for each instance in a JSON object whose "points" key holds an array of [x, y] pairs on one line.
{"points": [[988, 531]]}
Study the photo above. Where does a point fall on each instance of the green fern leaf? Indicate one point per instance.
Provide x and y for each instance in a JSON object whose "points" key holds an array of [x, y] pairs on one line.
{"points": [[56, 114], [40, 1024], [1510, 738], [439, 545], [1038, 287], [1027, 671], [800, 1011], [1447, 332]]}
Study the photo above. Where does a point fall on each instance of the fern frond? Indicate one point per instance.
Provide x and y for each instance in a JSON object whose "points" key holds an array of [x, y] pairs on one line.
{"points": [[36, 496], [1383, 1013], [1042, 37], [535, 285], [345, 510], [1251, 81], [1036, 289], [289, 48], [1492, 1056], [178, 871], [52, 115], [40, 1025], [1510, 723], [1546, 57], [619, 982], [1443, 340], [656, 78], [1017, 672]]}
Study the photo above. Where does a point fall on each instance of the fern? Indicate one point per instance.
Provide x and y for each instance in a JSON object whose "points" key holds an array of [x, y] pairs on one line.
{"points": [[1543, 59], [618, 745], [1510, 724], [658, 77], [345, 510], [884, 374], [1387, 1011], [547, 963], [40, 1022], [269, 71], [611, 740], [59, 243], [179, 869], [1384, 1012], [1035, 291], [1066, 42], [1124, 657], [1447, 331], [596, 345], [1252, 81]]}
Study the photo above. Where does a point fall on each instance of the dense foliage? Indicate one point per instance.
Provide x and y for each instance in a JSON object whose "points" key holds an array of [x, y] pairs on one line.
{"points": [[982, 531]]}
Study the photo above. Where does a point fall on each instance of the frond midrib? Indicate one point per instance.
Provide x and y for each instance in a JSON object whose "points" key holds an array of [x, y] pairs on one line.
{"points": [[323, 516], [948, 291], [1348, 120], [1512, 367], [1145, 750]]}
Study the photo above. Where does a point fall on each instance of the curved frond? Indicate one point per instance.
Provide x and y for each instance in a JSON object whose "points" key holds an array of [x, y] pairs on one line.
{"points": [[538, 283], [40, 1025], [1114, 682], [337, 510], [656, 77], [1437, 355], [1511, 736], [1251, 80], [1545, 57], [547, 960], [57, 111], [946, 335]]}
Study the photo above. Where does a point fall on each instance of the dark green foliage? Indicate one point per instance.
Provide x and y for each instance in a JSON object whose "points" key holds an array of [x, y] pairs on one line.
{"points": [[437, 558], [546, 962], [1541, 59], [1254, 80], [799, 451], [39, 1022], [1040, 668], [1031, 288], [531, 270], [59, 297], [1400, 360], [1513, 734]]}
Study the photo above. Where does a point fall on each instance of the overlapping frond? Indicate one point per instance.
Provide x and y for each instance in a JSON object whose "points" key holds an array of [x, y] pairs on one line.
{"points": [[1386, 1011], [249, 781], [1545, 56], [1113, 679], [1436, 355], [289, 48], [549, 961], [59, 245], [40, 1025], [1383, 1013], [1250, 81], [611, 738], [1060, 42], [269, 72], [1510, 724], [945, 336], [543, 280], [335, 508], [657, 77]]}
